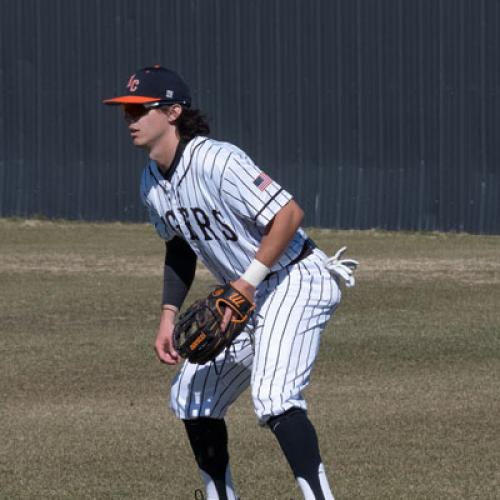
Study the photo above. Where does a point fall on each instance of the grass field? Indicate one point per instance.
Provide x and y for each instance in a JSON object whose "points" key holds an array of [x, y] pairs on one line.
{"points": [[405, 395]]}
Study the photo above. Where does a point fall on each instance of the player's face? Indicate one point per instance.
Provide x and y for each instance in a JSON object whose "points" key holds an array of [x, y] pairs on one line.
{"points": [[146, 125]]}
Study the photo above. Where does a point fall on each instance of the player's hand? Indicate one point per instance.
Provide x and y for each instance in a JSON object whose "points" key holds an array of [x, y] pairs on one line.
{"points": [[245, 289], [164, 346]]}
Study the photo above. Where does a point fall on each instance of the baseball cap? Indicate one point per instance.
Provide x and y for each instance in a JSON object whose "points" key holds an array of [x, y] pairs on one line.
{"points": [[154, 84]]}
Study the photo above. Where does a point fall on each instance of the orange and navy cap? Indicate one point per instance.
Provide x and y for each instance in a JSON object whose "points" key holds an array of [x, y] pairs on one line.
{"points": [[154, 84]]}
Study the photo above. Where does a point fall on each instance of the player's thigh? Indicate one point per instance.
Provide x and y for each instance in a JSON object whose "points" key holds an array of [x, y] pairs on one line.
{"points": [[287, 338], [208, 390]]}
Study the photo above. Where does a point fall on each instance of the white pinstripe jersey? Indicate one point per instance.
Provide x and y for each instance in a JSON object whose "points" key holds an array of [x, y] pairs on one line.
{"points": [[220, 202]]}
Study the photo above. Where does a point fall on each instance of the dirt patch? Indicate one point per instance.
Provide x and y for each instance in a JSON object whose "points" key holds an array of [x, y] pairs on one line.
{"points": [[67, 264], [455, 269], [402, 270]]}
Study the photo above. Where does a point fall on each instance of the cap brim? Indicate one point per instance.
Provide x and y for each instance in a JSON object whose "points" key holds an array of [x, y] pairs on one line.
{"points": [[131, 99]]}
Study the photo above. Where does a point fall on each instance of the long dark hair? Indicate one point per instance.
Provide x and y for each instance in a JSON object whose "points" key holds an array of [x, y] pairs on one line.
{"points": [[192, 122]]}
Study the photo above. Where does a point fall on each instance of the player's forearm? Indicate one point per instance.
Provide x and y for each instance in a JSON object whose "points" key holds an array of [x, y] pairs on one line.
{"points": [[276, 239], [279, 233]]}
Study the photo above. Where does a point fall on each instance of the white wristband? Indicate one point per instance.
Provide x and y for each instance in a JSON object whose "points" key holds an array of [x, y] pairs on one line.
{"points": [[256, 273]]}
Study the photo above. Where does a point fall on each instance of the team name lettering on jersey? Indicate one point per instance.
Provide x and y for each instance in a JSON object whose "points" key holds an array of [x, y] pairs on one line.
{"points": [[209, 226]]}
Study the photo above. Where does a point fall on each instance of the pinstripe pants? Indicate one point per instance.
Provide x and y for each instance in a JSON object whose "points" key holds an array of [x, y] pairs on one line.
{"points": [[275, 354]]}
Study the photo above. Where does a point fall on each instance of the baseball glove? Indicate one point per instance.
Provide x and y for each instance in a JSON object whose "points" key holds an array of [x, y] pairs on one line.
{"points": [[197, 334]]}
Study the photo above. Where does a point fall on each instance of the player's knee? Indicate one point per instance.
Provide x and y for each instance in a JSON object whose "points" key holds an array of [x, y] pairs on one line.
{"points": [[269, 405], [182, 402], [275, 420]]}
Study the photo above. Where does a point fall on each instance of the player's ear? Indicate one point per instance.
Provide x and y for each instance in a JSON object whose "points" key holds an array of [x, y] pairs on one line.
{"points": [[173, 112]]}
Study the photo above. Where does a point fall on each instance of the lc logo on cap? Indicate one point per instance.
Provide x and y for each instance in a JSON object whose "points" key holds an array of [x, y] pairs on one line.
{"points": [[133, 83]]}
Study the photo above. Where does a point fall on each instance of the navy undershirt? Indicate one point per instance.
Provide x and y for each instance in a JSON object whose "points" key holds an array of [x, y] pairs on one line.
{"points": [[180, 260]]}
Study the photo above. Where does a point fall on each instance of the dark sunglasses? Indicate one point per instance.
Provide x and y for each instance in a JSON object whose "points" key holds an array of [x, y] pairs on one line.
{"points": [[136, 111]]}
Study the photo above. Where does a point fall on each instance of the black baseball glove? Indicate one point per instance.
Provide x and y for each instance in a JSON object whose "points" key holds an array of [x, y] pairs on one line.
{"points": [[197, 333]]}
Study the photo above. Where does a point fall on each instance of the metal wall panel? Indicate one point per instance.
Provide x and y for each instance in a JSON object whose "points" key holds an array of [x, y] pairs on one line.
{"points": [[374, 113]]}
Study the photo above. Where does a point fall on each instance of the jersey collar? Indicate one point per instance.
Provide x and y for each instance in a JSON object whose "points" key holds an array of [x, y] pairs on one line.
{"points": [[189, 149], [175, 162]]}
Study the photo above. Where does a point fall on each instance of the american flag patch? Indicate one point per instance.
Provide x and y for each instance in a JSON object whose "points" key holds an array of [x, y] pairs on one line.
{"points": [[262, 181]]}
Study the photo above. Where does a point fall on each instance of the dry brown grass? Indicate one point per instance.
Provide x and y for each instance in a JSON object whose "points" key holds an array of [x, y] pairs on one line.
{"points": [[404, 395]]}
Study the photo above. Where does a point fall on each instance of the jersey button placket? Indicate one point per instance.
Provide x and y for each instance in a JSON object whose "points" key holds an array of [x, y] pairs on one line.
{"points": [[165, 185]]}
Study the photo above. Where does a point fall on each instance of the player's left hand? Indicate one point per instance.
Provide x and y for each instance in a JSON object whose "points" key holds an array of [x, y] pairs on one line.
{"points": [[164, 347], [245, 289]]}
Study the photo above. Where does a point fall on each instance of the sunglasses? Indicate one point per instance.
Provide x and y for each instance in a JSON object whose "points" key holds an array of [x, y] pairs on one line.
{"points": [[136, 111]]}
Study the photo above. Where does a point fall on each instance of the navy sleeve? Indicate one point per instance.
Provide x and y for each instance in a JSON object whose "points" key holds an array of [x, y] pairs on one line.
{"points": [[179, 271]]}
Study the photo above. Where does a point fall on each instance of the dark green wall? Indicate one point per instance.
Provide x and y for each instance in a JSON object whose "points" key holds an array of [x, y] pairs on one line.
{"points": [[374, 113]]}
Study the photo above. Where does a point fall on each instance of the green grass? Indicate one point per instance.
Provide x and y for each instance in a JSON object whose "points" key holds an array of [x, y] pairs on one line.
{"points": [[405, 394]]}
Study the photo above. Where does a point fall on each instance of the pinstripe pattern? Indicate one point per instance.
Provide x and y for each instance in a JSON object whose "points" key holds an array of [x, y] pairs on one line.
{"points": [[275, 354], [208, 390], [216, 201], [212, 202]]}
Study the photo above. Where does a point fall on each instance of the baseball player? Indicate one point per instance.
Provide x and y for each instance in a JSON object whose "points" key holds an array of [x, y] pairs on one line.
{"points": [[209, 201]]}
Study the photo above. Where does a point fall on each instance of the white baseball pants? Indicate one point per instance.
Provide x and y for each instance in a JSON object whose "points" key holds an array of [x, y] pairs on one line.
{"points": [[275, 353]]}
